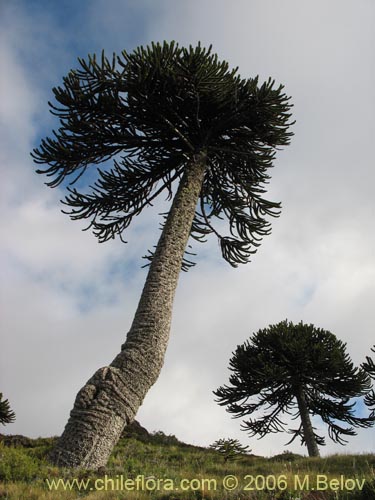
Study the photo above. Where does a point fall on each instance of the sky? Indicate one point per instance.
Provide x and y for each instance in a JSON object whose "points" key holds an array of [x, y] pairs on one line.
{"points": [[67, 301]]}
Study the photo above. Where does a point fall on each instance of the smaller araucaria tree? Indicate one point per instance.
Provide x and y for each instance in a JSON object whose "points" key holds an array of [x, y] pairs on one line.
{"points": [[297, 370], [369, 367], [229, 449], [7, 416]]}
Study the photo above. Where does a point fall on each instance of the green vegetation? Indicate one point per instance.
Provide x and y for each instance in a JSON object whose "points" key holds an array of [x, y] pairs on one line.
{"points": [[24, 470], [298, 370]]}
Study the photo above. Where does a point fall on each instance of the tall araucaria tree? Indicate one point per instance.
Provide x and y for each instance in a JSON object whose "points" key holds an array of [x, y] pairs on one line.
{"points": [[296, 370], [166, 115]]}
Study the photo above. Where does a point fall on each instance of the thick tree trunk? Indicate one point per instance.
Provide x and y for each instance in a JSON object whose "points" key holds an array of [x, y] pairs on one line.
{"points": [[111, 398], [308, 432]]}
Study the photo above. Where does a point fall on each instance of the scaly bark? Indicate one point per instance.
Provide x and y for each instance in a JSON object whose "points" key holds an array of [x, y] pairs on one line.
{"points": [[111, 398], [308, 432]]}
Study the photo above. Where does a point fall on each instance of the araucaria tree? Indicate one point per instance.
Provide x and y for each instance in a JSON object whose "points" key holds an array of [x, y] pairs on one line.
{"points": [[369, 367], [296, 370], [7, 416], [168, 116], [230, 449]]}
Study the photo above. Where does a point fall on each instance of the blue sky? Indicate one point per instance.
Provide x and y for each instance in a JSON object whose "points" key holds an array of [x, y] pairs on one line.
{"points": [[67, 302]]}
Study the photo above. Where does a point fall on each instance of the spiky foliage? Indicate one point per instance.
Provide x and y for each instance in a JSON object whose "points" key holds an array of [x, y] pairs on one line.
{"points": [[369, 367], [276, 364], [150, 111], [7, 416], [229, 448]]}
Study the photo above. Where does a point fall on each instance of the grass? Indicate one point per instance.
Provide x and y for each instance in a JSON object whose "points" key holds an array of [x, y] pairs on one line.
{"points": [[161, 463]]}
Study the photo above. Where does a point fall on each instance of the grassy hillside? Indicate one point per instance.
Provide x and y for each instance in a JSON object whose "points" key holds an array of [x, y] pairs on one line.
{"points": [[162, 468]]}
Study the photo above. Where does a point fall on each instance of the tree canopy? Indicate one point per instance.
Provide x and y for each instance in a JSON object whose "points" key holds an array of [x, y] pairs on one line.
{"points": [[151, 110], [369, 367], [7, 416], [297, 370]]}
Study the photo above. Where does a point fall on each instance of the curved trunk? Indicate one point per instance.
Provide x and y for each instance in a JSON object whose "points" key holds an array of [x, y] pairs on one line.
{"points": [[111, 398], [308, 432]]}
